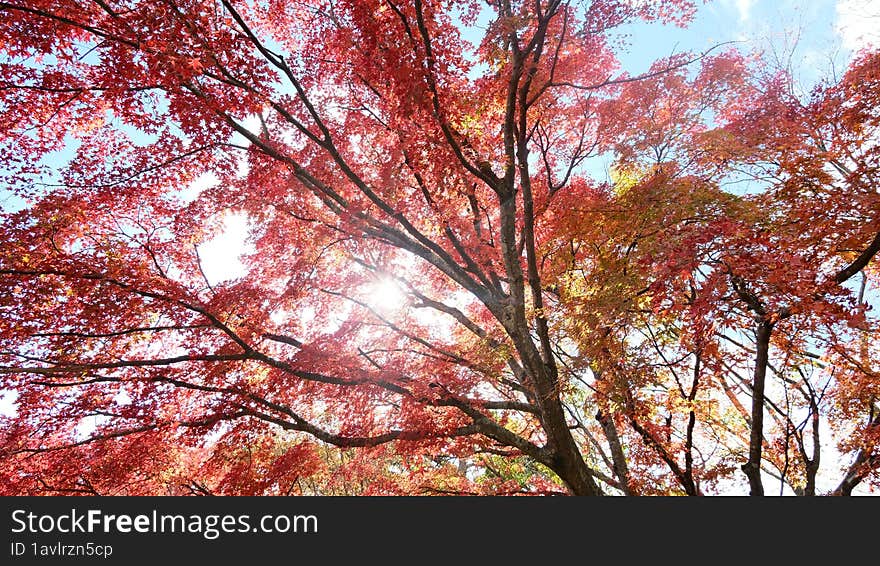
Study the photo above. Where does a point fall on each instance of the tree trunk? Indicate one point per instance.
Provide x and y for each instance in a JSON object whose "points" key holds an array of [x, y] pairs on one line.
{"points": [[752, 468]]}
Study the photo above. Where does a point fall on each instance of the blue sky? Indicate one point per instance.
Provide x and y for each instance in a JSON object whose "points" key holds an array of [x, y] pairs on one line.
{"points": [[819, 35], [814, 39], [815, 33]]}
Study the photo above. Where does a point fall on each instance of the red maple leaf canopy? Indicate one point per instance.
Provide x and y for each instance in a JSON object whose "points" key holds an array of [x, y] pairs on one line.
{"points": [[366, 247]]}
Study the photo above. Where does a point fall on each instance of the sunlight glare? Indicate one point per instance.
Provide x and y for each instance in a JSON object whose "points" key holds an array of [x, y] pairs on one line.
{"points": [[8, 405], [221, 256], [386, 296]]}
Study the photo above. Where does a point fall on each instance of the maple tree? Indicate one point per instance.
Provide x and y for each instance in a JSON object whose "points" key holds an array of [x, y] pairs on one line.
{"points": [[661, 332]]}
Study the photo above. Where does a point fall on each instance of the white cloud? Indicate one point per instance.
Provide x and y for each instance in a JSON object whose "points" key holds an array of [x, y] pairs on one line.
{"points": [[858, 23], [744, 8]]}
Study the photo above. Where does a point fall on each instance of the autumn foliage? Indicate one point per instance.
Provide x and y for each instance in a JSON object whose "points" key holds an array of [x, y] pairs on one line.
{"points": [[443, 290]]}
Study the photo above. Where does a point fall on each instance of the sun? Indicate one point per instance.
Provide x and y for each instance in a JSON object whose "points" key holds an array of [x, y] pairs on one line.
{"points": [[386, 296]]}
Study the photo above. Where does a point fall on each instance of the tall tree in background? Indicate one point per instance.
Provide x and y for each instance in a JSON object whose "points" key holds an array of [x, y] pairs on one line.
{"points": [[440, 295]]}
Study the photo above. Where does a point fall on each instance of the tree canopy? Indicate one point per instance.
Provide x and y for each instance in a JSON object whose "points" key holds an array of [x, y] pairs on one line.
{"points": [[443, 290]]}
